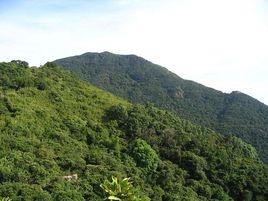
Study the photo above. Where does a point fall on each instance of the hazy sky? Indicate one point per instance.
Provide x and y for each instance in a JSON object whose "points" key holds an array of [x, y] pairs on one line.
{"points": [[220, 43]]}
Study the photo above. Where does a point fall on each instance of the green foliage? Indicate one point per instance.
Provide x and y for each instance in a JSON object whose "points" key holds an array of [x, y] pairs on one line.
{"points": [[69, 127], [6, 199], [196, 164], [144, 155], [122, 190], [20, 63], [141, 81]]}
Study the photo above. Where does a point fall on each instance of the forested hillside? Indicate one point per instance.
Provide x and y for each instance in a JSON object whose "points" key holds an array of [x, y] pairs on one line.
{"points": [[141, 81], [54, 126]]}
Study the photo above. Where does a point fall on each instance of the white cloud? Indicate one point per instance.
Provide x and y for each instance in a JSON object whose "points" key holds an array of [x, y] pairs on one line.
{"points": [[222, 44]]}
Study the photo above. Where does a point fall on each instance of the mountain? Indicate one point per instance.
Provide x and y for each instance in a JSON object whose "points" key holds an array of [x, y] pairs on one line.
{"points": [[140, 81], [61, 138]]}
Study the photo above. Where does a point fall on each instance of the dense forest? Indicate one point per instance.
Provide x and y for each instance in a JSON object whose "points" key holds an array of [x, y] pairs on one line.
{"points": [[63, 139], [140, 81]]}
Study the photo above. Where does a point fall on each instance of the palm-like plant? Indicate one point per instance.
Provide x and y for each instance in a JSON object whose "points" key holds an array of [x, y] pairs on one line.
{"points": [[121, 190], [6, 199]]}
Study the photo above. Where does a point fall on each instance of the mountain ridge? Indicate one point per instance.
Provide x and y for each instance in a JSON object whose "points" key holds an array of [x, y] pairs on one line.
{"points": [[164, 68], [53, 125], [140, 81]]}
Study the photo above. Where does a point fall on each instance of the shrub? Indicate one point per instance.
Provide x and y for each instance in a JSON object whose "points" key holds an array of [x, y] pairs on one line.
{"points": [[144, 155]]}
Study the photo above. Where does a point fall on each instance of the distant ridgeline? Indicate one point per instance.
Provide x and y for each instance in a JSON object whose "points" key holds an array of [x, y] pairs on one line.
{"points": [[141, 81], [60, 139]]}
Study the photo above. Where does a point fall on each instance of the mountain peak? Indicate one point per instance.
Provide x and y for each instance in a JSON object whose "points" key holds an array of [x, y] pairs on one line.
{"points": [[140, 81]]}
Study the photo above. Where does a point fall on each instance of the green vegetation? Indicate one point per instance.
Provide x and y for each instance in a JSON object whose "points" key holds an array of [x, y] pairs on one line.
{"points": [[54, 126], [141, 81], [122, 190], [6, 199]]}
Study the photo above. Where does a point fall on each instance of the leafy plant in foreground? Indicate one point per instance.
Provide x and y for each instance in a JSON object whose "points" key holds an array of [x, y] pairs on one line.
{"points": [[121, 190]]}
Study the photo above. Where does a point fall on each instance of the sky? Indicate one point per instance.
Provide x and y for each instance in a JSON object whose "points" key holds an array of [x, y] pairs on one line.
{"points": [[222, 44]]}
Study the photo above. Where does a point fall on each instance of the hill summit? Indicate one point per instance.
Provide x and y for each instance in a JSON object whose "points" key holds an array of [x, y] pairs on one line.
{"points": [[140, 81]]}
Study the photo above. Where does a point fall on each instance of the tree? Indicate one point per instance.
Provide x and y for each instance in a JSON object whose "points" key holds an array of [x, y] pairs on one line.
{"points": [[20, 63], [144, 155]]}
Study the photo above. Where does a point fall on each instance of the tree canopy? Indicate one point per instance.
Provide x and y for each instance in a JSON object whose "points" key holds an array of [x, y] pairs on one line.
{"points": [[53, 126]]}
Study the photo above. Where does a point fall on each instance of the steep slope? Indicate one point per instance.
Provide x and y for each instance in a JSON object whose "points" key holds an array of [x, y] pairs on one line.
{"points": [[53, 125], [141, 81]]}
